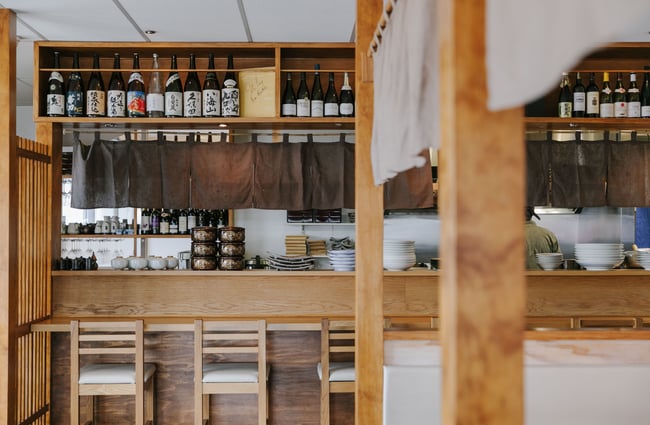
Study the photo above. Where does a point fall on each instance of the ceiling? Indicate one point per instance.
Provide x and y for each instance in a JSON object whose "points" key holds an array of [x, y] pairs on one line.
{"points": [[188, 21]]}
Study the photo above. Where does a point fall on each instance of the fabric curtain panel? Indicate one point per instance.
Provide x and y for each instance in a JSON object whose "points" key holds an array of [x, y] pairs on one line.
{"points": [[328, 175], [175, 164], [579, 174], [411, 188], [628, 179], [537, 172], [278, 170], [145, 175], [99, 179], [222, 175]]}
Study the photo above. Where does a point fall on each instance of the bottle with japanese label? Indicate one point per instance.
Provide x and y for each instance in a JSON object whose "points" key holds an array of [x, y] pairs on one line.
{"points": [[211, 95], [633, 98], [579, 97], [55, 92], [288, 108], [173, 93], [116, 96], [620, 101], [606, 98], [346, 107], [192, 92], [303, 104], [135, 94], [155, 96], [317, 94], [645, 93], [96, 95], [565, 98], [75, 94], [593, 100], [230, 92]]}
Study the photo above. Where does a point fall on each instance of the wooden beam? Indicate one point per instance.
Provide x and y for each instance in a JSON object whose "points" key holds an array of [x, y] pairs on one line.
{"points": [[8, 218], [369, 204], [482, 291]]}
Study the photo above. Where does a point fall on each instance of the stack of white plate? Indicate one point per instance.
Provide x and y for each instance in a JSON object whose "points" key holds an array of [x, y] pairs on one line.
{"points": [[549, 260], [599, 256], [643, 258], [342, 260], [290, 262], [398, 254]]}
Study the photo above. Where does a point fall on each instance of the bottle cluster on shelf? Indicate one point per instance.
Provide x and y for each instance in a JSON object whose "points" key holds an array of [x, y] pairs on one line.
{"points": [[171, 98], [590, 101], [306, 103], [163, 221]]}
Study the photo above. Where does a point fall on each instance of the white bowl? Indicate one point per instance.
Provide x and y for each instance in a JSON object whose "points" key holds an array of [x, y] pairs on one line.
{"points": [[119, 263], [137, 263], [172, 262], [156, 263]]}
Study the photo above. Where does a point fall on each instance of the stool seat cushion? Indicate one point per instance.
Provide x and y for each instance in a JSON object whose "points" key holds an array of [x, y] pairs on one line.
{"points": [[339, 371], [231, 372], [113, 373]]}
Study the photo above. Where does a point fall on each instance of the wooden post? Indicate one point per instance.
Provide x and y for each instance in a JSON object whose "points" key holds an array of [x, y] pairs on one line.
{"points": [[369, 204], [8, 218], [482, 215]]}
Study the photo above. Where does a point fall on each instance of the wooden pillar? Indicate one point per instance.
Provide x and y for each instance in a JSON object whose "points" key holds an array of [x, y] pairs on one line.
{"points": [[482, 214], [8, 219], [369, 205]]}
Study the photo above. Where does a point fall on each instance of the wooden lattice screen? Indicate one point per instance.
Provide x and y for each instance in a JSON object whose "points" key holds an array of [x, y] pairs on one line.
{"points": [[33, 284]]}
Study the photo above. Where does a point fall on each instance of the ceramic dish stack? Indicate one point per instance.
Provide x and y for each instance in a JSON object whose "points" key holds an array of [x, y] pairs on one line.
{"points": [[599, 256], [642, 257], [342, 260], [398, 254], [290, 263], [549, 260]]}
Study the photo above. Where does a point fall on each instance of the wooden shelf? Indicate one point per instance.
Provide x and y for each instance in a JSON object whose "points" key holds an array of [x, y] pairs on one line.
{"points": [[586, 124]]}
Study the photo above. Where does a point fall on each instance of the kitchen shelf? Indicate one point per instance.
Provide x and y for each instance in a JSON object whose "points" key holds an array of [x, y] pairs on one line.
{"points": [[586, 124]]}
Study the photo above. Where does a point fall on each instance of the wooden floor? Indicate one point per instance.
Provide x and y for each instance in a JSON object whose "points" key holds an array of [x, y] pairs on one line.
{"points": [[294, 385]]}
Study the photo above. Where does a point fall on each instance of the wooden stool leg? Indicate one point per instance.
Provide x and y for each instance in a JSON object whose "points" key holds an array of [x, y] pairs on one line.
{"points": [[206, 409], [150, 394]]}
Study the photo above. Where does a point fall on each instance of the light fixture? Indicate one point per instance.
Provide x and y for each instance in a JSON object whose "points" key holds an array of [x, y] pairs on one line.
{"points": [[150, 32]]}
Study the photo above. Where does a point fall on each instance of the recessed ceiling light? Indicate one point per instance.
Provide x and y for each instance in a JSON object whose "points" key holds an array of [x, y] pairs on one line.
{"points": [[150, 32]]}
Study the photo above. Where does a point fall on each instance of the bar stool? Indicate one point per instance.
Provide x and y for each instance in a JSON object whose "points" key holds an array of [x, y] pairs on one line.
{"points": [[229, 358], [90, 377], [337, 375]]}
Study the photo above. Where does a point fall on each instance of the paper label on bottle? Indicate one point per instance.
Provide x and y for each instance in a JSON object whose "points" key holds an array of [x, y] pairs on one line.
{"points": [[191, 222], [633, 109], [155, 102], [230, 101], [164, 227], [55, 103], [606, 110], [331, 109], [211, 103], [317, 108], [348, 108], [96, 102], [174, 104], [116, 101], [74, 104], [620, 109], [135, 103], [146, 224], [136, 76], [633, 90], [564, 109], [289, 110], [192, 104], [182, 224], [645, 111], [579, 101], [592, 103], [303, 107], [56, 76]]}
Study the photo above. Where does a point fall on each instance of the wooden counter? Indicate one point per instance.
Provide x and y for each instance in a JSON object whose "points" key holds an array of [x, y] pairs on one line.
{"points": [[313, 294]]}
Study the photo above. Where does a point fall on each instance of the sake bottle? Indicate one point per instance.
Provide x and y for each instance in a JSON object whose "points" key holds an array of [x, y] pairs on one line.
{"points": [[116, 96], [55, 97], [135, 93]]}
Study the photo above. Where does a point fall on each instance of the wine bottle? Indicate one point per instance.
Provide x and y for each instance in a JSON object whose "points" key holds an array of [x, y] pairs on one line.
{"points": [[230, 92], [182, 222], [606, 98], [331, 99], [192, 92], [289, 104], [74, 95], [593, 101], [145, 221], [173, 222], [135, 93], [155, 97], [317, 94], [211, 96], [620, 104], [95, 95], [303, 107], [565, 98], [579, 97], [55, 97], [173, 93], [155, 222], [191, 219], [346, 108], [645, 93], [633, 98], [116, 96], [164, 222]]}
